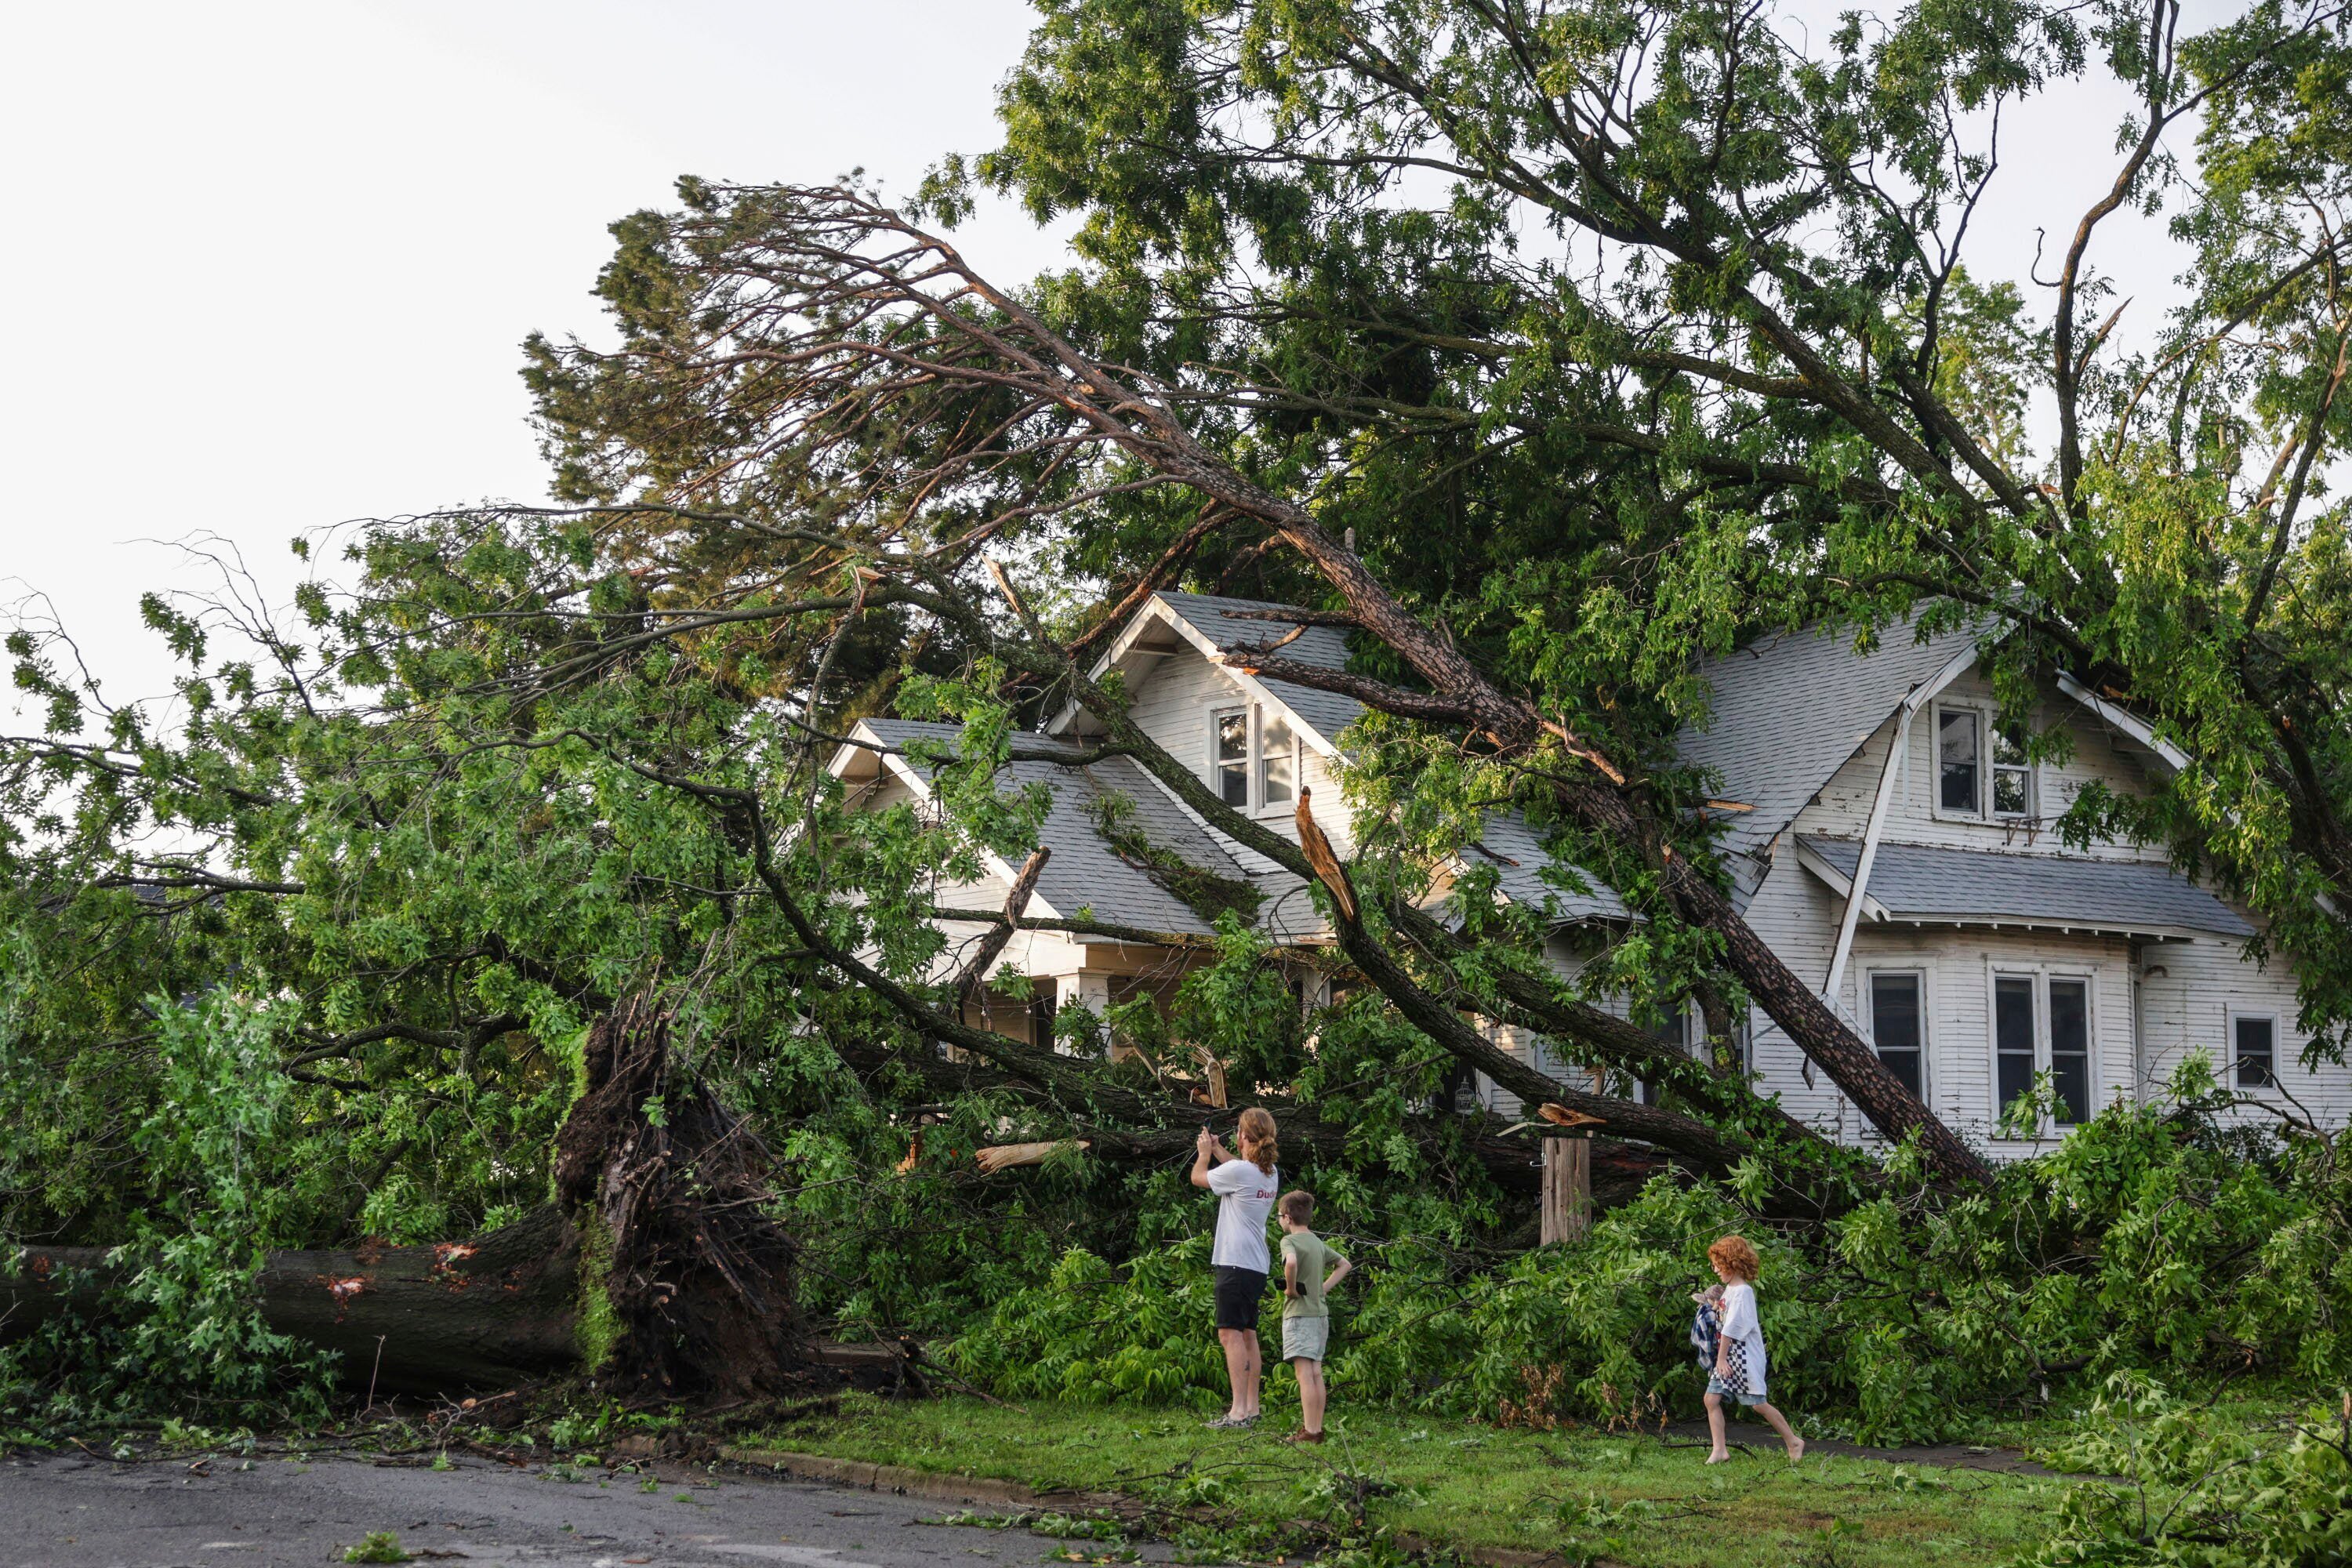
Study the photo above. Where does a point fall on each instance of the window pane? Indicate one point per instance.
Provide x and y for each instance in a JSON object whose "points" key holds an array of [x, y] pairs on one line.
{"points": [[2257, 1043], [1232, 745], [2008, 745], [1233, 737], [2011, 796], [1278, 778], [1904, 1065], [2012, 1039], [1895, 1026], [1956, 760], [2070, 1048]]}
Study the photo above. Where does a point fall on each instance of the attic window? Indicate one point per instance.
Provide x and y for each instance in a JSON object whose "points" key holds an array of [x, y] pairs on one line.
{"points": [[1229, 754], [1253, 759], [2012, 775], [1957, 766], [1277, 765]]}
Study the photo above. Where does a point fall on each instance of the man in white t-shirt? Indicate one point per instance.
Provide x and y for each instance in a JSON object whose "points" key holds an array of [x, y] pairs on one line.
{"points": [[1246, 1188]]}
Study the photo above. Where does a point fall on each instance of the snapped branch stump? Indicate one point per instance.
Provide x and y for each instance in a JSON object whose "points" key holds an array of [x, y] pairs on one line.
{"points": [[1566, 1202]]}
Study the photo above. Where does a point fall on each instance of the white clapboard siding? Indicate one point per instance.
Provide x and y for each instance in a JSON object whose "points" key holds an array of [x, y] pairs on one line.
{"points": [[1842, 806], [1171, 702]]}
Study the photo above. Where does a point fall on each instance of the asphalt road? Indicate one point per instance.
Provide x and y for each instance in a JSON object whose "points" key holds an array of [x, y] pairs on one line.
{"points": [[82, 1512]]}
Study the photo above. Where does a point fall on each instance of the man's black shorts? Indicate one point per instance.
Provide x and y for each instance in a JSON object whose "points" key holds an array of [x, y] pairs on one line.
{"points": [[1238, 1290]]}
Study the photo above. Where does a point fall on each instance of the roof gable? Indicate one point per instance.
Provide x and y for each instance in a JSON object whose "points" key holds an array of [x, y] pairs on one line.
{"points": [[1084, 871], [1792, 708], [1211, 626]]}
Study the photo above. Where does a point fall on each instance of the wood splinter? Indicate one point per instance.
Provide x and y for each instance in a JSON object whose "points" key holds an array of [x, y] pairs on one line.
{"points": [[1005, 1156]]}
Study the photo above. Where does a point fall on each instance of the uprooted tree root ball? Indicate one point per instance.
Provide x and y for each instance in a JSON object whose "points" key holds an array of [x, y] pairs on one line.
{"points": [[686, 1286]]}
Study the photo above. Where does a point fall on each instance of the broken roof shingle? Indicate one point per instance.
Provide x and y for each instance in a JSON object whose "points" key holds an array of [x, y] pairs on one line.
{"points": [[1512, 846]]}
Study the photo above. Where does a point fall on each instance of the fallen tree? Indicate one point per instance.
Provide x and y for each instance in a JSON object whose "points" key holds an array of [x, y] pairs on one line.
{"points": [[655, 1270]]}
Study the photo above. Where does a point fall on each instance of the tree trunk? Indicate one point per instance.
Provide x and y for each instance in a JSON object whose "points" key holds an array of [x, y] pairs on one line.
{"points": [[654, 1271], [436, 1320]]}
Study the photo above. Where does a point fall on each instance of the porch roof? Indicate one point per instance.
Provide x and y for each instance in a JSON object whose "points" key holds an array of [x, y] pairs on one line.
{"points": [[1926, 885]]}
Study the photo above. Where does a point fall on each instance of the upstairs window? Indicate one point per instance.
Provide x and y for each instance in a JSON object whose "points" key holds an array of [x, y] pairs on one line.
{"points": [[1229, 754], [1958, 767], [1255, 759], [1277, 767], [2012, 775], [1981, 768], [2254, 1044]]}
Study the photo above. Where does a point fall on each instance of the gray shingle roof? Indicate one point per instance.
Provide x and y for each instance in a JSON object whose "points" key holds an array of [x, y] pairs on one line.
{"points": [[1511, 846], [1323, 646], [1789, 710], [1950, 887], [1084, 872]]}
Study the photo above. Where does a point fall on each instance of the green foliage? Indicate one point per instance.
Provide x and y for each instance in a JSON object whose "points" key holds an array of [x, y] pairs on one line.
{"points": [[183, 1325], [2196, 1494], [1206, 894], [1590, 402], [2144, 1241], [378, 1546], [213, 1149]]}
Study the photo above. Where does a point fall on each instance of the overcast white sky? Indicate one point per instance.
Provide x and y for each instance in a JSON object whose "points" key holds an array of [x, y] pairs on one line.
{"points": [[268, 262]]}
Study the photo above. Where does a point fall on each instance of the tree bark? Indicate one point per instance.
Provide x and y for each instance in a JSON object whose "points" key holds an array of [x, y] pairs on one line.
{"points": [[655, 1269], [439, 1319]]}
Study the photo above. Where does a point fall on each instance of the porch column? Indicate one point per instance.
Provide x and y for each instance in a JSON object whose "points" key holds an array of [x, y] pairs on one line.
{"points": [[1089, 988]]}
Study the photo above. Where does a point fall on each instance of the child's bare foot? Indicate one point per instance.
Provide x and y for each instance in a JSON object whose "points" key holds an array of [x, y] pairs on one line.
{"points": [[1795, 1449], [1717, 1457]]}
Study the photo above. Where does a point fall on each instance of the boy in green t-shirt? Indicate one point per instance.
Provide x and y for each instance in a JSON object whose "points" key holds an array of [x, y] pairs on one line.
{"points": [[1305, 1321]]}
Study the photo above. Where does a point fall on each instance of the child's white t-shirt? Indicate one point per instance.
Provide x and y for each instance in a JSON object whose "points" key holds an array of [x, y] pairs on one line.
{"points": [[1245, 1197], [1740, 1324]]}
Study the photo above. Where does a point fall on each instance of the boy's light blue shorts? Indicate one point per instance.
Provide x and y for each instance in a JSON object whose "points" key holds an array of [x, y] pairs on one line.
{"points": [[1714, 1386], [1304, 1339]]}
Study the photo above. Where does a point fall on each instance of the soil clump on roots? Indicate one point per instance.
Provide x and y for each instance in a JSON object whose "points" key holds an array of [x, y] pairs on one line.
{"points": [[688, 1286]]}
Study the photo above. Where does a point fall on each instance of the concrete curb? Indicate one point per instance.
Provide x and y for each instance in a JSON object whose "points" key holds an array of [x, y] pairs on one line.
{"points": [[947, 1488]]}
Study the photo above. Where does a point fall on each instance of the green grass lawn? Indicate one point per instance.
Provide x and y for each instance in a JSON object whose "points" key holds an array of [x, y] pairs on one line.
{"points": [[1632, 1500]]}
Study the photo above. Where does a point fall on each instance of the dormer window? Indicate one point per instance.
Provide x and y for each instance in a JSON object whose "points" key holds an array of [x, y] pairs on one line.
{"points": [[1230, 755], [1956, 752], [1277, 763], [1253, 759], [1965, 785]]}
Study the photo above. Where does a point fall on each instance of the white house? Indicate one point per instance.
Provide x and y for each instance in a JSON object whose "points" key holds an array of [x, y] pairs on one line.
{"points": [[1896, 851]]}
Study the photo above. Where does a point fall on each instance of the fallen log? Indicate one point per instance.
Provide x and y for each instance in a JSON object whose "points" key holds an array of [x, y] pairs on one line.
{"points": [[655, 1269], [447, 1318], [1513, 1164]]}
